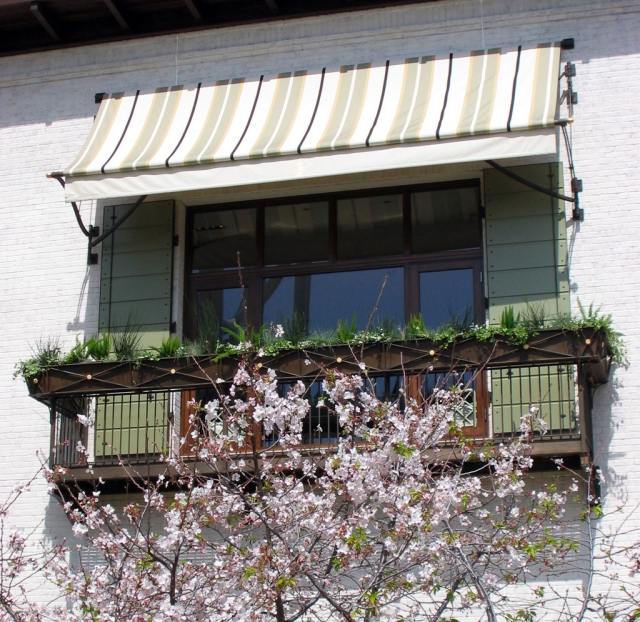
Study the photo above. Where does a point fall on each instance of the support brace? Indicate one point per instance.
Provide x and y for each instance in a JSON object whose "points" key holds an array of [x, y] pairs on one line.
{"points": [[93, 232]]}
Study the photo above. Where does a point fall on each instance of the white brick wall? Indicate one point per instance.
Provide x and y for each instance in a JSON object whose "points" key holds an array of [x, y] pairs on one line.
{"points": [[46, 108]]}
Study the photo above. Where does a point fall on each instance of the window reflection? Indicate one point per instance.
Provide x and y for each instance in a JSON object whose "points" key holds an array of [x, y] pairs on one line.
{"points": [[217, 310], [295, 233], [318, 301], [224, 239], [445, 220], [370, 226], [446, 297]]}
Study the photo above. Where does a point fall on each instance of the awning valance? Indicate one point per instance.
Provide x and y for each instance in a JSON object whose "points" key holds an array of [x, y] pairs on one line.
{"points": [[355, 118]]}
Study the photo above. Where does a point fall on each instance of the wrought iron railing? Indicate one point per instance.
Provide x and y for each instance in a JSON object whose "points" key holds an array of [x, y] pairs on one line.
{"points": [[143, 427], [551, 389]]}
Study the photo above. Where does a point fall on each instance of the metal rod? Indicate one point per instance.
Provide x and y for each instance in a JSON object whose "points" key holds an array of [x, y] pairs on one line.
{"points": [[60, 179], [530, 184], [94, 242]]}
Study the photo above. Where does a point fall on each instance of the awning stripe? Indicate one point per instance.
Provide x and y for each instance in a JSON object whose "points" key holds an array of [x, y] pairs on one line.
{"points": [[315, 111], [184, 133], [382, 94], [513, 92], [419, 99], [246, 127], [124, 131], [446, 96]]}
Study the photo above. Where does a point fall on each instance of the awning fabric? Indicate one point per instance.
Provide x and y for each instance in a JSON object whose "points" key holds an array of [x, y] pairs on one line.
{"points": [[427, 110]]}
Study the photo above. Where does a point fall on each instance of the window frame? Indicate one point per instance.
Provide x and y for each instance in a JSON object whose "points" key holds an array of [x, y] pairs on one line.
{"points": [[252, 277]]}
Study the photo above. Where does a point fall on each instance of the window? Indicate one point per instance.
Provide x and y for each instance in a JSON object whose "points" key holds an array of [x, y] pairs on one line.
{"points": [[370, 259]]}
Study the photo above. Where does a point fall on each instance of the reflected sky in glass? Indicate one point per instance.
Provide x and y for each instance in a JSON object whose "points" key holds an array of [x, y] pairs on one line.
{"points": [[321, 300], [218, 308], [446, 297]]}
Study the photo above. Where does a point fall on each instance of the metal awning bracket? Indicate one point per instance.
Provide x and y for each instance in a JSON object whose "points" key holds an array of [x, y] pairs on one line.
{"points": [[92, 232]]}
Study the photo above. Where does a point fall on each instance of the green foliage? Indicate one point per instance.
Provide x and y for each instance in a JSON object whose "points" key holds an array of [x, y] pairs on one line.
{"points": [[521, 615], [283, 582], [592, 318], [403, 450], [346, 331], [415, 328], [170, 347], [249, 572], [514, 328], [126, 343], [295, 328], [45, 353], [509, 319], [236, 333], [99, 348], [357, 539], [534, 318], [77, 354]]}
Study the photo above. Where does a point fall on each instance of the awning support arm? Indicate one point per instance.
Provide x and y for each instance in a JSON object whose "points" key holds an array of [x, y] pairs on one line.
{"points": [[93, 232], [529, 183], [118, 222]]}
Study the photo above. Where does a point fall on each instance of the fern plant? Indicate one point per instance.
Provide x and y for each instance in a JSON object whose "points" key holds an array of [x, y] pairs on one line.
{"points": [[99, 348]]}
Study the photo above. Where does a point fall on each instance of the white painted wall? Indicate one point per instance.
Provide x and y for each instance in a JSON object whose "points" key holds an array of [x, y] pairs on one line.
{"points": [[46, 109]]}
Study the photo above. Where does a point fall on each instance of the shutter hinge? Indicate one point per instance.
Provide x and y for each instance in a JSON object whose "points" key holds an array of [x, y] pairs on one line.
{"points": [[176, 240], [92, 258], [173, 328]]}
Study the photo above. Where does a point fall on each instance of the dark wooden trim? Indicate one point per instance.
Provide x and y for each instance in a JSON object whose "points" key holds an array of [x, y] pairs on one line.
{"points": [[117, 15], [89, 27], [43, 18], [586, 347], [194, 10]]}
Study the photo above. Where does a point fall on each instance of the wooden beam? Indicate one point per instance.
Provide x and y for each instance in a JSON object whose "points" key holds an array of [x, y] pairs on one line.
{"points": [[43, 20], [117, 15], [196, 13], [272, 5]]}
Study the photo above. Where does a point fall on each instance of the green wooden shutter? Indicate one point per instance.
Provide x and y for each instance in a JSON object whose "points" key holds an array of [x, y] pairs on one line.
{"points": [[526, 242], [131, 425], [136, 271], [135, 290], [527, 269]]}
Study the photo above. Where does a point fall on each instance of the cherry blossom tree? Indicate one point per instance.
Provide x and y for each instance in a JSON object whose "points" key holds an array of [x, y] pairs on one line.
{"points": [[402, 518], [22, 558]]}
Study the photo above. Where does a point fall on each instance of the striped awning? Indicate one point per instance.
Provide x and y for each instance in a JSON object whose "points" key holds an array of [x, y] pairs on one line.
{"points": [[176, 138]]}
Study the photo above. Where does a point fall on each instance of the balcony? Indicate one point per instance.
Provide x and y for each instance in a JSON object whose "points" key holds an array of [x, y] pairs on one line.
{"points": [[140, 409]]}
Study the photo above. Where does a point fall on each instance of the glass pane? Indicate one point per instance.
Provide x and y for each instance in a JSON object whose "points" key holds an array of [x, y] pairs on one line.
{"points": [[446, 297], [464, 412], [444, 220], [217, 309], [222, 238], [370, 226], [295, 233], [312, 303]]}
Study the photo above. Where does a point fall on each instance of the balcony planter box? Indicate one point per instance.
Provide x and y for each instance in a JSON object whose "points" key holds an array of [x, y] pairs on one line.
{"points": [[587, 347]]}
